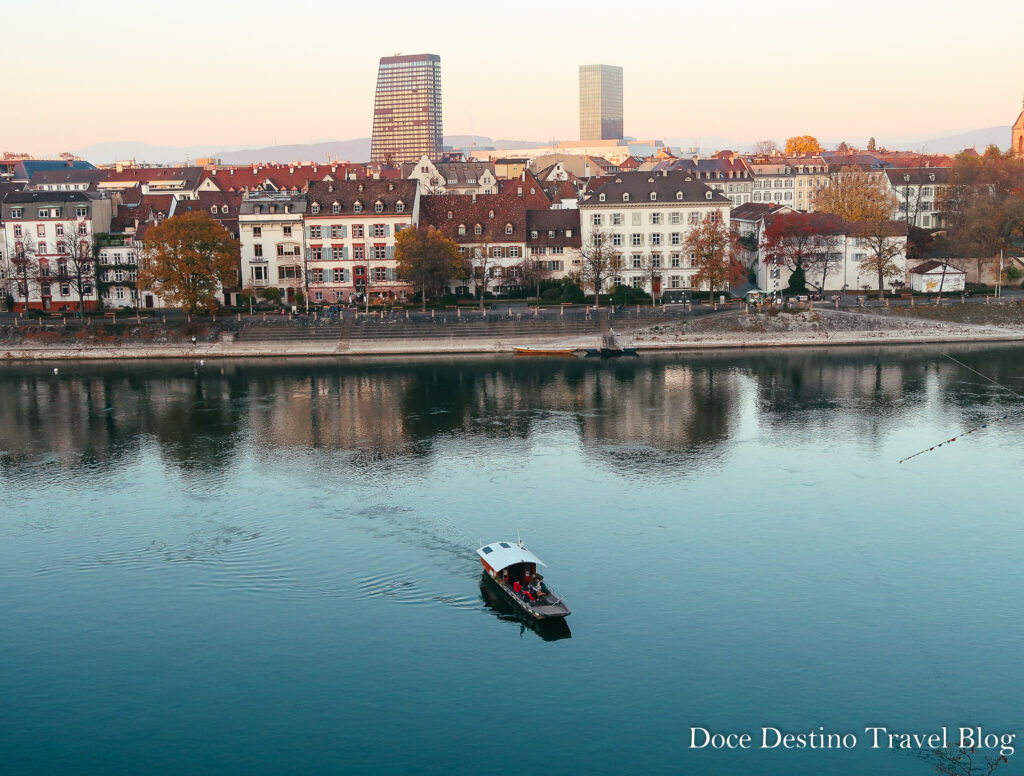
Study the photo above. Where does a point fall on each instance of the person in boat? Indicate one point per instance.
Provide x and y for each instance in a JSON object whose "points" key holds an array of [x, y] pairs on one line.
{"points": [[520, 591], [536, 589]]}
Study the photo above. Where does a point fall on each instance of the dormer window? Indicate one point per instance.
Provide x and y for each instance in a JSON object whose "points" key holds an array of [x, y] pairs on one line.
{"points": [[708, 195], [600, 197], [679, 195], [357, 207], [224, 209], [490, 214], [508, 228], [477, 229], [462, 229], [399, 207], [336, 208], [931, 176], [449, 215], [378, 207], [315, 208], [213, 209], [625, 197], [654, 196], [533, 234]]}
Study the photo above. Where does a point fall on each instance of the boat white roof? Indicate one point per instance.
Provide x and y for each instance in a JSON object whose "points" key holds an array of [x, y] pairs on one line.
{"points": [[501, 555]]}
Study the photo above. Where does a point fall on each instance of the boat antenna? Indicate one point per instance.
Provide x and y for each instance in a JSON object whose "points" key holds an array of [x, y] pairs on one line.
{"points": [[519, 539], [970, 430]]}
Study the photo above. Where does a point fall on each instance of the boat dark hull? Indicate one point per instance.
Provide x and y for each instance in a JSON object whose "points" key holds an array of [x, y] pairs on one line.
{"points": [[501, 606], [611, 352], [557, 611]]}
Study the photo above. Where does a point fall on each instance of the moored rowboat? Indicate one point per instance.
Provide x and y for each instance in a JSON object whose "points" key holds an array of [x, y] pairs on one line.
{"points": [[544, 351]]}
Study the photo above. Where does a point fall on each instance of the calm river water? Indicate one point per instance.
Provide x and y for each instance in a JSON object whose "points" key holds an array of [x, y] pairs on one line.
{"points": [[269, 567]]}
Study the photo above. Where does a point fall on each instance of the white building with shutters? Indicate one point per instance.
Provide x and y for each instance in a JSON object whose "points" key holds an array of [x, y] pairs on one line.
{"points": [[270, 230], [350, 229], [647, 216]]}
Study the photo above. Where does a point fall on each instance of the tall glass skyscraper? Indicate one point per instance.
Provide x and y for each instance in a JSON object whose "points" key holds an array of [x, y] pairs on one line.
{"points": [[600, 102], [407, 109]]}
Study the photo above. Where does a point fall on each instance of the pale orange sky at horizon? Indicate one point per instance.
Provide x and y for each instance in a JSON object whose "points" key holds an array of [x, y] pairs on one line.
{"points": [[213, 76]]}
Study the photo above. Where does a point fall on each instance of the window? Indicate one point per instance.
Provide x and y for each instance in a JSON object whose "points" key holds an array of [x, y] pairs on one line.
{"points": [[654, 196], [636, 239], [60, 230], [380, 252], [637, 261], [478, 229], [315, 232], [508, 228], [357, 207], [636, 281], [56, 212], [257, 251], [16, 212], [673, 281], [600, 197], [625, 196], [83, 229], [380, 274], [655, 218], [359, 252], [316, 254], [17, 230], [213, 209], [378, 207], [44, 212], [119, 292], [357, 231], [596, 219], [259, 273], [316, 275], [65, 289], [399, 207], [337, 231], [495, 251], [656, 260], [286, 230], [616, 219], [257, 231], [42, 247], [617, 240], [656, 239], [462, 228], [513, 252], [377, 230], [675, 238], [337, 253], [675, 217], [315, 208], [40, 230]]}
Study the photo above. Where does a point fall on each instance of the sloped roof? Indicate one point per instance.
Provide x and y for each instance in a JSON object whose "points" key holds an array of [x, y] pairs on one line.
{"points": [[932, 266], [366, 192], [565, 224], [528, 188], [447, 212], [918, 176], [666, 186]]}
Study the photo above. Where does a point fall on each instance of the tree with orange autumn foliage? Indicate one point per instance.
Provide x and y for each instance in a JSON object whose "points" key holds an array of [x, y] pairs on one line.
{"points": [[188, 259], [710, 243], [803, 144]]}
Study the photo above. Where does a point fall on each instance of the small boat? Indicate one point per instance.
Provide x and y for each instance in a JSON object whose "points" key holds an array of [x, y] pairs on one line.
{"points": [[561, 352], [510, 566], [499, 604], [610, 347]]}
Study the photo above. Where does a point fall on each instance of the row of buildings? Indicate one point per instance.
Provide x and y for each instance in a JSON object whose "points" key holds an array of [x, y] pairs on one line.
{"points": [[327, 231]]}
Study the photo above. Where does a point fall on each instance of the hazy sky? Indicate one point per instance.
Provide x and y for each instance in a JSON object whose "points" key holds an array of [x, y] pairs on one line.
{"points": [[267, 71]]}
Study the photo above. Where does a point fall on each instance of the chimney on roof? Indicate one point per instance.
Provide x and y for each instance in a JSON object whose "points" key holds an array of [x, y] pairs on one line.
{"points": [[474, 196]]}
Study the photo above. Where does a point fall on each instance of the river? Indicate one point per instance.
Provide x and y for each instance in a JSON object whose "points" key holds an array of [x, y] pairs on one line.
{"points": [[268, 567]]}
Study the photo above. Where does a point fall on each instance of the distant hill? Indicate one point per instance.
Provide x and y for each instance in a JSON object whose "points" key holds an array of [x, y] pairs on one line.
{"points": [[952, 144], [358, 149]]}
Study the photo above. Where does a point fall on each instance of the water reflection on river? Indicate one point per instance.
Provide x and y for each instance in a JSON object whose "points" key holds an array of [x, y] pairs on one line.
{"points": [[267, 566]]}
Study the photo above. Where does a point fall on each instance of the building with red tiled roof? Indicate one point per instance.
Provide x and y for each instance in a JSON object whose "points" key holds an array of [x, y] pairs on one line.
{"points": [[350, 230], [527, 187], [553, 237], [489, 229]]}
